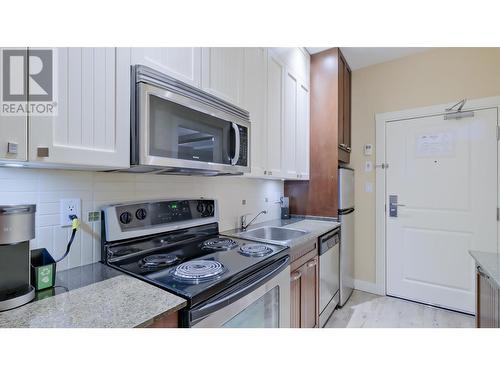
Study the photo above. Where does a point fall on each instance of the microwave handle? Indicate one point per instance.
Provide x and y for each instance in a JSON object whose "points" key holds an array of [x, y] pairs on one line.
{"points": [[234, 160]]}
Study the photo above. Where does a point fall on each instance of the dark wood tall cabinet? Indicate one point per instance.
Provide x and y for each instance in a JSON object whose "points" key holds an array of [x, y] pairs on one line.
{"points": [[330, 136], [344, 121]]}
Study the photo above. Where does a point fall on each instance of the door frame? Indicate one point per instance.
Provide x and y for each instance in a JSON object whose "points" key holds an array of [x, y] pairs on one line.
{"points": [[381, 120]]}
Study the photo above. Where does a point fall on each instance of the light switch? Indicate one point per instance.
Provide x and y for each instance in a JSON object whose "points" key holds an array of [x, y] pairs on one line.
{"points": [[368, 166], [368, 149], [368, 187]]}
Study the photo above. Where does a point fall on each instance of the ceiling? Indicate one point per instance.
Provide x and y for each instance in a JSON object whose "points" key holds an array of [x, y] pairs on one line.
{"points": [[361, 57]]}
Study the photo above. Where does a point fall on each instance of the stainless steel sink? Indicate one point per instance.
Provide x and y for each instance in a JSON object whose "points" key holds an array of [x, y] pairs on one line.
{"points": [[273, 234]]}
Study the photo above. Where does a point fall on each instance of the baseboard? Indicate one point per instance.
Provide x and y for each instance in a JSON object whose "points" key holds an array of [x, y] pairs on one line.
{"points": [[367, 286]]}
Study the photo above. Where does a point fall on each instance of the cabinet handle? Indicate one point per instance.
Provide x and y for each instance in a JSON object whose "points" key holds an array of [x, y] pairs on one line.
{"points": [[296, 275], [42, 152], [265, 172], [311, 264]]}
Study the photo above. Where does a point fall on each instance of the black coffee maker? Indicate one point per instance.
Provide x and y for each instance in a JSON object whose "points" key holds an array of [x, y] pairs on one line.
{"points": [[17, 228]]}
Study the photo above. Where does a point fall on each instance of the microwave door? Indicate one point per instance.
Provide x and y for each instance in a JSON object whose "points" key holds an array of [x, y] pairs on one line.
{"points": [[179, 132]]}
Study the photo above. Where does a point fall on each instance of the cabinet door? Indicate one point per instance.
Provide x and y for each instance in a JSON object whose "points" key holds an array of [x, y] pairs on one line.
{"points": [[347, 107], [302, 137], [341, 70], [92, 126], [275, 88], [223, 72], [290, 127], [14, 129], [297, 60], [487, 294], [181, 63], [309, 294], [295, 299], [254, 101]]}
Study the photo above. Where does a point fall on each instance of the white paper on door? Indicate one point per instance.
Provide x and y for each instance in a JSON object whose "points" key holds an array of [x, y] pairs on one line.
{"points": [[435, 144]]}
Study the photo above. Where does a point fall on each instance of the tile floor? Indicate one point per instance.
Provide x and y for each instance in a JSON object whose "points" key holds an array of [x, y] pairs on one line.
{"points": [[366, 310]]}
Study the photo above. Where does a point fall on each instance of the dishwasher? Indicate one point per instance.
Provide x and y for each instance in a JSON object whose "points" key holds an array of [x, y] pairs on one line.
{"points": [[329, 274]]}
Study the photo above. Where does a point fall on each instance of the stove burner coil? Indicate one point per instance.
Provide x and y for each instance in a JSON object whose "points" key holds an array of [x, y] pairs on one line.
{"points": [[158, 260], [222, 243], [255, 250], [197, 271]]}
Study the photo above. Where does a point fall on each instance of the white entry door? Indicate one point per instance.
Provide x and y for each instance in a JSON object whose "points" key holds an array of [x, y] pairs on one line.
{"points": [[444, 175]]}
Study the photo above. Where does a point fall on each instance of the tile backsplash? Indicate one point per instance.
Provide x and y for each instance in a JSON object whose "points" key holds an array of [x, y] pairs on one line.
{"points": [[46, 187]]}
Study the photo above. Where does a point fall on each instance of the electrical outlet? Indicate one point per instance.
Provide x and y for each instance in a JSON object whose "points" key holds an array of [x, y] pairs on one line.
{"points": [[69, 207]]}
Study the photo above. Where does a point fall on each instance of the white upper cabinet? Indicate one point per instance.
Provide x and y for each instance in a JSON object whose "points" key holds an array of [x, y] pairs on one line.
{"points": [[180, 63], [254, 101], [13, 129], [275, 114], [297, 61], [223, 73], [92, 126], [302, 137], [290, 126]]}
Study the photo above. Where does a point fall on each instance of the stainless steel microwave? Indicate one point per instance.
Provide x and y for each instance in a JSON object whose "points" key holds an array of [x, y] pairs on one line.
{"points": [[180, 129]]}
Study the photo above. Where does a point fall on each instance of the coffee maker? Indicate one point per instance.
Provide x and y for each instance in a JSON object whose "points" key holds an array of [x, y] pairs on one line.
{"points": [[17, 228]]}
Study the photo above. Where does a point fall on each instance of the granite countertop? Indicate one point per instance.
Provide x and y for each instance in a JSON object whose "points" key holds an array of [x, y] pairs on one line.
{"points": [[314, 227], [490, 264], [93, 296]]}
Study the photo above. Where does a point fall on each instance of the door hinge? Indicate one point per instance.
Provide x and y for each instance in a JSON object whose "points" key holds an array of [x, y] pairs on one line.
{"points": [[498, 133], [498, 213]]}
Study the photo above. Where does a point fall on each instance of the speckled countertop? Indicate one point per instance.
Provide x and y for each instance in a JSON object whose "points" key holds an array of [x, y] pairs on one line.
{"points": [[315, 228], [94, 296], [490, 264]]}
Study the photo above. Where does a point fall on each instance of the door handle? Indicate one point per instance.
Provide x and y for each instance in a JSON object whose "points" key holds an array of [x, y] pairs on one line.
{"points": [[311, 264], [393, 205]]}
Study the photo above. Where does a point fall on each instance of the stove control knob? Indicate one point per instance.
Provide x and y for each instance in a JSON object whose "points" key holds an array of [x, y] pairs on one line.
{"points": [[200, 208], [141, 214], [210, 209], [125, 217]]}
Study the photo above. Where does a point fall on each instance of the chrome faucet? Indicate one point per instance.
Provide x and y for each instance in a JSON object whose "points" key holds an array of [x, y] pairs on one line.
{"points": [[243, 221]]}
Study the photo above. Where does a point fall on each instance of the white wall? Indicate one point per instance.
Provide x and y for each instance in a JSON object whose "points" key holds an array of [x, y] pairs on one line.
{"points": [[46, 187]]}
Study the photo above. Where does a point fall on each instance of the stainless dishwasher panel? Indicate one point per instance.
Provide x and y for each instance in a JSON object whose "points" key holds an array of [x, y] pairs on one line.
{"points": [[346, 255], [329, 275]]}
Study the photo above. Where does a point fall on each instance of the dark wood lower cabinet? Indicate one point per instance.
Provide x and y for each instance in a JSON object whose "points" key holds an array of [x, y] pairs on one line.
{"points": [[304, 291], [166, 321], [487, 301]]}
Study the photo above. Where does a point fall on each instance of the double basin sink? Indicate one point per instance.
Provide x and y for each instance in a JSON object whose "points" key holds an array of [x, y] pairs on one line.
{"points": [[276, 235]]}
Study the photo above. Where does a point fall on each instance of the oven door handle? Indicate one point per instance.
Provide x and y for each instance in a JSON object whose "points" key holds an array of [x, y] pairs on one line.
{"points": [[236, 157], [249, 285]]}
